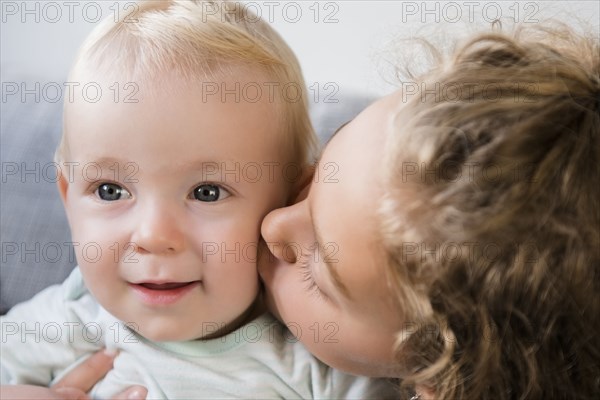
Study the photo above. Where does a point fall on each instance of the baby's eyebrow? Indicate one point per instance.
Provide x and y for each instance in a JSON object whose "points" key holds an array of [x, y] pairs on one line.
{"points": [[107, 165], [204, 165], [110, 161]]}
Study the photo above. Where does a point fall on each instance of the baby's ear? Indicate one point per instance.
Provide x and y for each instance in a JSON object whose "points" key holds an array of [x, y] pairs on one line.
{"points": [[63, 185]]}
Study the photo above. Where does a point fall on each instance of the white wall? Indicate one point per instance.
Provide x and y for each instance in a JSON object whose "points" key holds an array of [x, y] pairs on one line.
{"points": [[345, 43], [354, 50]]}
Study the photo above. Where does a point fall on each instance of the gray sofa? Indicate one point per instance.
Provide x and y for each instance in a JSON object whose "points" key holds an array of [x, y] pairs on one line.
{"points": [[34, 232]]}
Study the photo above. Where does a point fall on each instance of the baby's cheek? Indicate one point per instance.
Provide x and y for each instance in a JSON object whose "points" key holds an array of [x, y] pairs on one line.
{"points": [[244, 238], [271, 194]]}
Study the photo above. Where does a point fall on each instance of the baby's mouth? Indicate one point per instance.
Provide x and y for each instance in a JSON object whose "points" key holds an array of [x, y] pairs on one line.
{"points": [[166, 286], [162, 294]]}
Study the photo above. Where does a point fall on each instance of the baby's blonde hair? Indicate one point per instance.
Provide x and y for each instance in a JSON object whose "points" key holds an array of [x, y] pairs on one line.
{"points": [[202, 40], [491, 219]]}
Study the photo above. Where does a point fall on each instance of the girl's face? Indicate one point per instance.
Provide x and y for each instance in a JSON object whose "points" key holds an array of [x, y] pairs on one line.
{"points": [[325, 278]]}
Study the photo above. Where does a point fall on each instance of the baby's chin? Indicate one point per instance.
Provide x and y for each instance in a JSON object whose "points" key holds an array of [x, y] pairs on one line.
{"points": [[271, 305], [269, 302], [157, 328], [169, 332]]}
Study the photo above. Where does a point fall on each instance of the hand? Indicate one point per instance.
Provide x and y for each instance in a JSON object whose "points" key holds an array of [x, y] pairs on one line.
{"points": [[83, 377], [30, 392], [75, 384]]}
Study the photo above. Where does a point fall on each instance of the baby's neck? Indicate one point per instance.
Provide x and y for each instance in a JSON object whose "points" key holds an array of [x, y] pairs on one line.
{"points": [[253, 311]]}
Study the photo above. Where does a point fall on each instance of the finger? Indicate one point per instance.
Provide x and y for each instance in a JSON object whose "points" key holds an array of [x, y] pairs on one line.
{"points": [[28, 392], [133, 393], [89, 372], [67, 393]]}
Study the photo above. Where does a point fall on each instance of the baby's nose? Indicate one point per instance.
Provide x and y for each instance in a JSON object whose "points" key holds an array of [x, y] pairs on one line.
{"points": [[158, 232]]}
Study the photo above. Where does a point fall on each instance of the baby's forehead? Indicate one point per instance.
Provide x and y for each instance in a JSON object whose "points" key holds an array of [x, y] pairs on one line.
{"points": [[98, 89], [236, 79], [176, 109], [101, 96]]}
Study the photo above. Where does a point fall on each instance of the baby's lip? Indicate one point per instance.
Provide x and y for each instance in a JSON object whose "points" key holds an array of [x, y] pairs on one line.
{"points": [[163, 294], [164, 285]]}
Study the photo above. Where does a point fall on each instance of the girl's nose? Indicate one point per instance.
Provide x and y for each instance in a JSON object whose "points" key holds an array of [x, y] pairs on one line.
{"points": [[284, 229]]}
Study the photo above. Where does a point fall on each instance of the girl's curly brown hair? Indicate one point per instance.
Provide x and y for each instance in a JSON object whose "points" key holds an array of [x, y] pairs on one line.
{"points": [[491, 220]]}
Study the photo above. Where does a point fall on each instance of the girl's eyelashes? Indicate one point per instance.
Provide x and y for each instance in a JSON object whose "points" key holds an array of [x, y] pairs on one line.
{"points": [[208, 192], [307, 272], [108, 191], [307, 276]]}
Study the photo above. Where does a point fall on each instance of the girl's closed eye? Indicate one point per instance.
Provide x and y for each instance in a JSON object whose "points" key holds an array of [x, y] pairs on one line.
{"points": [[307, 272], [209, 192], [108, 191]]}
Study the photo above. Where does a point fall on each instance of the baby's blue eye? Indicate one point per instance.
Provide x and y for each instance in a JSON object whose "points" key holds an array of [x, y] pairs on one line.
{"points": [[208, 193], [112, 192]]}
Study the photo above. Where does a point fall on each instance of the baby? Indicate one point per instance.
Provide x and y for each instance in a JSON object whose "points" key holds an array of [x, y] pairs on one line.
{"points": [[200, 129]]}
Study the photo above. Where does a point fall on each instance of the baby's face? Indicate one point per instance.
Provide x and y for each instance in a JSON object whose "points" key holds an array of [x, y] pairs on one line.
{"points": [[165, 198]]}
